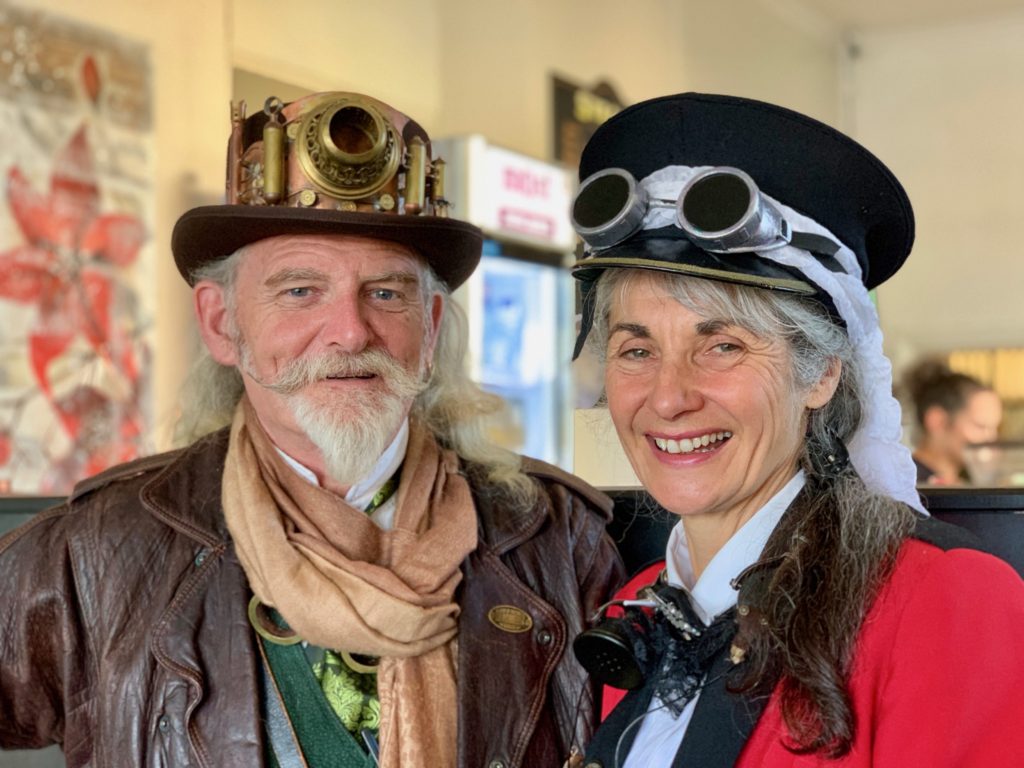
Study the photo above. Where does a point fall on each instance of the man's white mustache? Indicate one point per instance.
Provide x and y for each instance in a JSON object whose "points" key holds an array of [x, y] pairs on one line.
{"points": [[371, 362]]}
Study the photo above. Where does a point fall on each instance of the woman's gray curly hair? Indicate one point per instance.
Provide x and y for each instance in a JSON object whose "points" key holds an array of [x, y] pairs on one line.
{"points": [[455, 409], [831, 552]]}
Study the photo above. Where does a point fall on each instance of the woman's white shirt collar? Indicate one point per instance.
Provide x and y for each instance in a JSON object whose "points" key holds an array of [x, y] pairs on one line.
{"points": [[712, 593]]}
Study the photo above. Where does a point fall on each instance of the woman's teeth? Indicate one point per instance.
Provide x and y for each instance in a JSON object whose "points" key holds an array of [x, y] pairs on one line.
{"points": [[689, 445]]}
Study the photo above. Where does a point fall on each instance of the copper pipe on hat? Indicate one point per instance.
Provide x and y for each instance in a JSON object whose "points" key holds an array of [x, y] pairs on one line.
{"points": [[416, 176], [273, 152], [233, 182], [437, 198]]}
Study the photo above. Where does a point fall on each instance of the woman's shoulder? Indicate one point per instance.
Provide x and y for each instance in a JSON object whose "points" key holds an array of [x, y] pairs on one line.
{"points": [[961, 589], [939, 646], [949, 556]]}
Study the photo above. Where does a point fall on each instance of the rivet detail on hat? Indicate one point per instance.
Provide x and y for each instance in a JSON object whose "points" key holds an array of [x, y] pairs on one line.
{"points": [[346, 205], [386, 202], [307, 198]]}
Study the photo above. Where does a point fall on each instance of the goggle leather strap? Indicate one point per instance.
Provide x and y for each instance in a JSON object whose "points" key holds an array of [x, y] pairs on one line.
{"points": [[818, 244], [587, 289]]}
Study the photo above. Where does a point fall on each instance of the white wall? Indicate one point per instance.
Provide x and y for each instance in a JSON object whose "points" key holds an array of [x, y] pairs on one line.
{"points": [[484, 66], [497, 59], [391, 51], [944, 107]]}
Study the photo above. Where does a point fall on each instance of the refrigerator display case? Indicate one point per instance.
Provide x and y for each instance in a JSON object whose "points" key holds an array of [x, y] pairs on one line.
{"points": [[520, 302]]}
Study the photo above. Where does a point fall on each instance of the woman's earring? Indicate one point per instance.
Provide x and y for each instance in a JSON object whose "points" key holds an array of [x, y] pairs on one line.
{"points": [[828, 455]]}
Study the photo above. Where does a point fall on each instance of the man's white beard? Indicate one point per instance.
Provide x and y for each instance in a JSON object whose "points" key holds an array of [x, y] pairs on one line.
{"points": [[353, 429], [352, 435]]}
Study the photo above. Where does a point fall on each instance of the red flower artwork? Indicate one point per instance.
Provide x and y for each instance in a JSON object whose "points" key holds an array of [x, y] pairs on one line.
{"points": [[70, 268]]}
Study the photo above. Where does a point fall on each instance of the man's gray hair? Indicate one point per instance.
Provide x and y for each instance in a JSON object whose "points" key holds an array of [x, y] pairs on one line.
{"points": [[453, 407]]}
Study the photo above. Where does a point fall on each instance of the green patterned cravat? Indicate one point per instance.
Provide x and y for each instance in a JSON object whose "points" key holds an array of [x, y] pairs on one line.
{"points": [[352, 695]]}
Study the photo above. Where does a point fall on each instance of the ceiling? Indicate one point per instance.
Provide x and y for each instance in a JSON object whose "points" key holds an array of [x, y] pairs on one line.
{"points": [[853, 15]]}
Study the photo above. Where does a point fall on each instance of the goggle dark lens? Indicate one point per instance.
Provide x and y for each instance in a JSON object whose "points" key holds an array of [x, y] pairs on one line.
{"points": [[601, 201], [716, 202]]}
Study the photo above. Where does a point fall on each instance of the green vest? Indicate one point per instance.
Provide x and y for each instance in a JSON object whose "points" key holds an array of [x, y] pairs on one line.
{"points": [[298, 720]]}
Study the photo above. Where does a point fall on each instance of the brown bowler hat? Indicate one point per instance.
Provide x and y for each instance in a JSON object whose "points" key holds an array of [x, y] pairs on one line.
{"points": [[330, 163]]}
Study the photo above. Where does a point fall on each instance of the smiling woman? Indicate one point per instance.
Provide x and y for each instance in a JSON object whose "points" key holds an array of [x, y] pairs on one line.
{"points": [[706, 400], [725, 284]]}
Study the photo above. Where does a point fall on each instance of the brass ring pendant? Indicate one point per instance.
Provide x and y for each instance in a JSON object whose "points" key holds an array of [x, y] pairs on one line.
{"points": [[355, 662], [266, 628]]}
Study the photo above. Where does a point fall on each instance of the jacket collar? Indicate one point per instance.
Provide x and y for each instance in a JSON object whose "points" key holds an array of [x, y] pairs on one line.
{"points": [[502, 527], [186, 493]]}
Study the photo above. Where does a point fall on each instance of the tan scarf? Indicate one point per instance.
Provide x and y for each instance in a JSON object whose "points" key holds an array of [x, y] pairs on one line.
{"points": [[343, 583]]}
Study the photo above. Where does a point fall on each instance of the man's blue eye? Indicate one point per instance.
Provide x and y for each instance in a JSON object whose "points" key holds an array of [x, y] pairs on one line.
{"points": [[384, 293], [298, 292]]}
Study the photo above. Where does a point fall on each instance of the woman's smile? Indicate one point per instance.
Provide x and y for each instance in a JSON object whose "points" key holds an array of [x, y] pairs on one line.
{"points": [[708, 442]]}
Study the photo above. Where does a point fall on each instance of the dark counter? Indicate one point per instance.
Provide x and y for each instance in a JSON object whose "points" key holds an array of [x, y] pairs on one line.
{"points": [[994, 515]]}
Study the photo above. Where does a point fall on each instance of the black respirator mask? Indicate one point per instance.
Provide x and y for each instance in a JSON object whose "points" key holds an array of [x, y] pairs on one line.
{"points": [[617, 651]]}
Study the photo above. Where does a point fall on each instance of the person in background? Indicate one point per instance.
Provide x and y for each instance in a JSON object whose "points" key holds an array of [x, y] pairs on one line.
{"points": [[808, 612], [952, 411], [340, 570]]}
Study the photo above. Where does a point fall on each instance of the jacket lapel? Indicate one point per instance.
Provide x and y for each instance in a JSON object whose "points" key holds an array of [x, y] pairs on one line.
{"points": [[721, 724], [613, 737], [503, 621], [203, 636]]}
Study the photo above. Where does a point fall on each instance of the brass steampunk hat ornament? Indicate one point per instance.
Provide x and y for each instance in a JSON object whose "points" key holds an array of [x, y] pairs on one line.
{"points": [[330, 163]]}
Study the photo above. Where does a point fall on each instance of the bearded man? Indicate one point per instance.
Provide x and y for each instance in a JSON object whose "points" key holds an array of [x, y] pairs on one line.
{"points": [[343, 572]]}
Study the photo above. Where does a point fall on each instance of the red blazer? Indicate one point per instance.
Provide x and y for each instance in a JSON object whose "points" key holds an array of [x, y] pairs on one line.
{"points": [[938, 673]]}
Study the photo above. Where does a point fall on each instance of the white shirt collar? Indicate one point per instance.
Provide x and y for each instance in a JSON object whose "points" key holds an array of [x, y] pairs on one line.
{"points": [[713, 593], [361, 494]]}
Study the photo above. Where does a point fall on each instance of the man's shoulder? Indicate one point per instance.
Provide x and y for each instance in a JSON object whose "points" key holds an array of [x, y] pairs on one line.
{"points": [[139, 469], [550, 474], [561, 502], [136, 473]]}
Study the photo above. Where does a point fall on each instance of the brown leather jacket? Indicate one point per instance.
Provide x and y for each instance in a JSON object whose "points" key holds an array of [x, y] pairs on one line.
{"points": [[124, 635]]}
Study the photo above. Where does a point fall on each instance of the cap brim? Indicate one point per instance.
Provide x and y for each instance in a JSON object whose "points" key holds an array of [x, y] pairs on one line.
{"points": [[679, 255], [202, 235]]}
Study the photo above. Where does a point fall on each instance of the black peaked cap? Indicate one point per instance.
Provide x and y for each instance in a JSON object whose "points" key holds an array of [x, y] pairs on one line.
{"points": [[799, 161]]}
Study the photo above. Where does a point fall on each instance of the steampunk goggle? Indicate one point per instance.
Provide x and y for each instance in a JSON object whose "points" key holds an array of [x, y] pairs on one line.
{"points": [[720, 210]]}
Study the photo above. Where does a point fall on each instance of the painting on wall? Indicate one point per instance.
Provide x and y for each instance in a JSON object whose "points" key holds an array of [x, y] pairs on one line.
{"points": [[75, 265]]}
